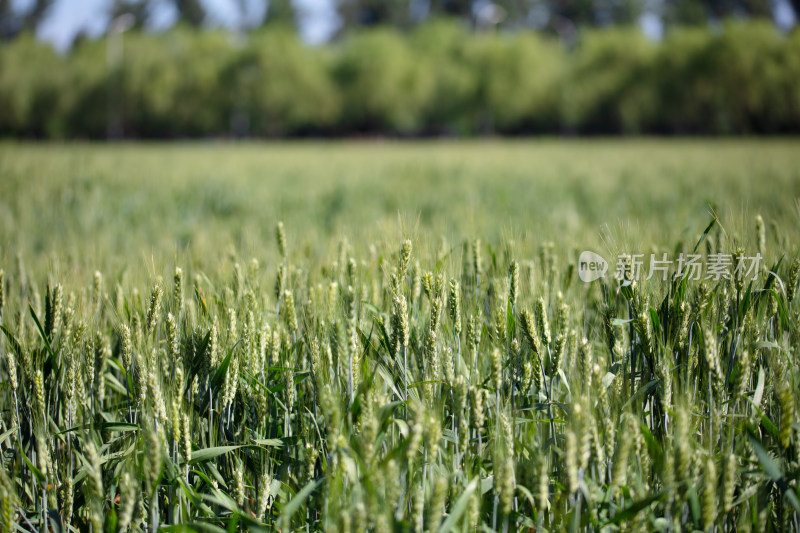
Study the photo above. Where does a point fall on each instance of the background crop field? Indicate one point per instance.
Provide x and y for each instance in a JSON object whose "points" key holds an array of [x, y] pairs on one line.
{"points": [[121, 205], [392, 337]]}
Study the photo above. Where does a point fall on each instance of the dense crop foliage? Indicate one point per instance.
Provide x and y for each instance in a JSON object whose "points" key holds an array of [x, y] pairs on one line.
{"points": [[439, 78], [376, 383]]}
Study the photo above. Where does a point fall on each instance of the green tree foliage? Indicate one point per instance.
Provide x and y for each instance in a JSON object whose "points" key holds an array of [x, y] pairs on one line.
{"points": [[278, 86], [383, 84], [280, 12], [85, 96], [748, 57], [36, 14], [356, 13], [738, 81], [519, 81], [160, 99], [190, 12], [443, 47], [31, 78], [701, 12], [791, 62], [13, 21], [602, 73], [452, 8], [439, 78]]}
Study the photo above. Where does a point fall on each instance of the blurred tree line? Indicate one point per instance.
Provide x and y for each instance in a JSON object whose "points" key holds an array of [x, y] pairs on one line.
{"points": [[432, 67], [561, 17]]}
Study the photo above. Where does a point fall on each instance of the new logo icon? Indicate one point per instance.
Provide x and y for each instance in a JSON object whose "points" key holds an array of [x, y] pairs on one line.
{"points": [[591, 266]]}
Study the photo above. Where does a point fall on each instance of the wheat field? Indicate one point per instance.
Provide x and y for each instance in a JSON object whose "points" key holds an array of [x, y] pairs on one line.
{"points": [[395, 336]]}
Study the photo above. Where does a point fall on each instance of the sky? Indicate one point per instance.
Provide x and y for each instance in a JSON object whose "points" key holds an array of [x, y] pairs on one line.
{"points": [[318, 18], [68, 17]]}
